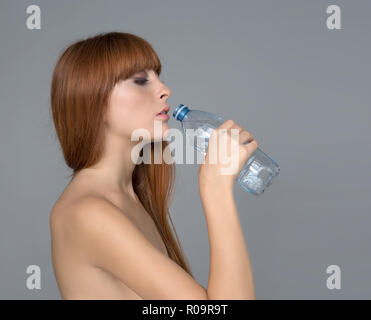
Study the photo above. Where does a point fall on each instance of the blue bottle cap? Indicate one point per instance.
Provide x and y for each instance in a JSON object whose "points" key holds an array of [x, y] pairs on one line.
{"points": [[180, 112]]}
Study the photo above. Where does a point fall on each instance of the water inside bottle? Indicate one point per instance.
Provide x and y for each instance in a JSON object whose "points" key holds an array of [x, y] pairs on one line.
{"points": [[258, 172], [203, 132], [251, 176]]}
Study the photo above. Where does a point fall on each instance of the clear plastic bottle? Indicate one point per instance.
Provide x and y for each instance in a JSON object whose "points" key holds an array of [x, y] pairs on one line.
{"points": [[259, 170]]}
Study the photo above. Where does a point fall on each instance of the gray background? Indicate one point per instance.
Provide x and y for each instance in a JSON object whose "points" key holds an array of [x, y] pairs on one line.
{"points": [[274, 67]]}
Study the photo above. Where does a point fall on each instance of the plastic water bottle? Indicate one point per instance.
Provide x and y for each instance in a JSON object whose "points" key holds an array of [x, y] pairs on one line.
{"points": [[259, 170]]}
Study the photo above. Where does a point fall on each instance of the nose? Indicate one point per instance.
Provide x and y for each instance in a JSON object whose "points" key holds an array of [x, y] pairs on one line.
{"points": [[165, 93]]}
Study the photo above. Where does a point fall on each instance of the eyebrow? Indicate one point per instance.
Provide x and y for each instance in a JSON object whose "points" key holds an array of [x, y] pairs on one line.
{"points": [[144, 72], [141, 72]]}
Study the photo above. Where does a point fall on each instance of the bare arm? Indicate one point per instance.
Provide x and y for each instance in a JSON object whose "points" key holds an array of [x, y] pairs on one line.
{"points": [[230, 272]]}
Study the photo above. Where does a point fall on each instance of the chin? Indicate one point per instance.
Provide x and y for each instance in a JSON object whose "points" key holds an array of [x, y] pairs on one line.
{"points": [[161, 133]]}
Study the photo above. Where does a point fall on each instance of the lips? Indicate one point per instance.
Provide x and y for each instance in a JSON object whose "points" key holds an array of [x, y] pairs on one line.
{"points": [[164, 110]]}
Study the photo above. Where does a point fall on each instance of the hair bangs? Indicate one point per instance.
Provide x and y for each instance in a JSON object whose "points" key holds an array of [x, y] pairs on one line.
{"points": [[131, 55]]}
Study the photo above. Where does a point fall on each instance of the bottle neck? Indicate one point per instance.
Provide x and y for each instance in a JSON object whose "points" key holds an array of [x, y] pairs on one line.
{"points": [[181, 113]]}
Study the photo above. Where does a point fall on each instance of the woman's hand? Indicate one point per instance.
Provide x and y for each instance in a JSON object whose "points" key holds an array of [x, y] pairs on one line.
{"points": [[225, 156]]}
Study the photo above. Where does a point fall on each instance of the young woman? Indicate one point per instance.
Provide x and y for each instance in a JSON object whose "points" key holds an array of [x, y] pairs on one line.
{"points": [[109, 228]]}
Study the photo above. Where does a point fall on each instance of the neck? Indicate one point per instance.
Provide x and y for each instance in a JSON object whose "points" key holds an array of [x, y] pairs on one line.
{"points": [[115, 169]]}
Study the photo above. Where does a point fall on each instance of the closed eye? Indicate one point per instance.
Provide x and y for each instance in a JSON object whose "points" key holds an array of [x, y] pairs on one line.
{"points": [[141, 81]]}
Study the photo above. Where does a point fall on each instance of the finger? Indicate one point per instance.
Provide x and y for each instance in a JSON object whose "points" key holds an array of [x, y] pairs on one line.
{"points": [[245, 137], [237, 128], [227, 124], [252, 146]]}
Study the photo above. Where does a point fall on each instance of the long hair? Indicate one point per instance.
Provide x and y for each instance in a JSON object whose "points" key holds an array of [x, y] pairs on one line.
{"points": [[83, 78]]}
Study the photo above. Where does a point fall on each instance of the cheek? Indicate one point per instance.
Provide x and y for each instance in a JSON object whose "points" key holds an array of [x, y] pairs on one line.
{"points": [[117, 120], [124, 120], [129, 111]]}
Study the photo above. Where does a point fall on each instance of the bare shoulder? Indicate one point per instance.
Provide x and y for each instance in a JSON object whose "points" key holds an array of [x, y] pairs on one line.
{"points": [[64, 209], [107, 238], [89, 209], [80, 222], [93, 211]]}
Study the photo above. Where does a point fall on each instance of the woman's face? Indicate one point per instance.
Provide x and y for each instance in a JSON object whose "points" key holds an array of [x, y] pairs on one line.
{"points": [[135, 103]]}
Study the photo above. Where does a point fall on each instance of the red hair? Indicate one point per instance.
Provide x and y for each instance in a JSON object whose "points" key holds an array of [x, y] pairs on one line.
{"points": [[83, 78]]}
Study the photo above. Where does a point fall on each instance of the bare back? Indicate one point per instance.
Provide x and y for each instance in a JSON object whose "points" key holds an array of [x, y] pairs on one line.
{"points": [[76, 277]]}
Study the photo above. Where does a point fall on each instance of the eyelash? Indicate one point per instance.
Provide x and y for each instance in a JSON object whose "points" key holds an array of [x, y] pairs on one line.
{"points": [[144, 81], [141, 81]]}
